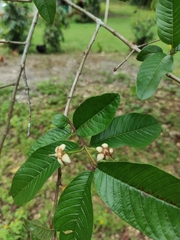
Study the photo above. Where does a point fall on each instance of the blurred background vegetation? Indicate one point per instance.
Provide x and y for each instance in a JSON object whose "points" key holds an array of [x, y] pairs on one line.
{"points": [[49, 97]]}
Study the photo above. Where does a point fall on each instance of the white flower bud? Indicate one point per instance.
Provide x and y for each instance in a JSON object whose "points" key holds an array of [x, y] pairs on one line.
{"points": [[99, 149], [66, 158], [62, 146], [100, 157], [60, 161], [104, 145], [111, 150]]}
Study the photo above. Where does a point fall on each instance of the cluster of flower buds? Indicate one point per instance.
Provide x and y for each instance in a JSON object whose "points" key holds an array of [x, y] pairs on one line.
{"points": [[62, 157], [104, 152]]}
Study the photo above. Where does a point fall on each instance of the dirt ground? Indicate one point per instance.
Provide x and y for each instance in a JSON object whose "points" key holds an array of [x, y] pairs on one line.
{"points": [[60, 67]]}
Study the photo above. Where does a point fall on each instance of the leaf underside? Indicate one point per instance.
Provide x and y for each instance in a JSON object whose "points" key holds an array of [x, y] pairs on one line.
{"points": [[151, 72], [142, 195], [74, 214], [39, 230]]}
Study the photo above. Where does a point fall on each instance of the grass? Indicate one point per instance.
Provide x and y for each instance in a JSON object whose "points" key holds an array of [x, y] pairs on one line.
{"points": [[50, 99]]}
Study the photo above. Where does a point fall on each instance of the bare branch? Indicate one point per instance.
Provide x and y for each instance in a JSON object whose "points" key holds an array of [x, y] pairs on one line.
{"points": [[85, 54], [115, 33], [173, 77], [28, 101], [23, 1], [12, 42], [9, 85], [125, 60], [22, 65]]}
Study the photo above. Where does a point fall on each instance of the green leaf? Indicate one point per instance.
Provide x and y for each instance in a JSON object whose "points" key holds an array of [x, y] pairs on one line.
{"points": [[151, 72], [142, 195], [168, 19], [95, 114], [147, 52], [39, 230], [133, 129], [153, 4], [49, 137], [60, 120], [74, 214], [47, 9], [31, 176]]}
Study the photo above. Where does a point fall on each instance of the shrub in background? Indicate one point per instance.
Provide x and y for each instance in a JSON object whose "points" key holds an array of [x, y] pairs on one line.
{"points": [[53, 34], [15, 24], [142, 30]]}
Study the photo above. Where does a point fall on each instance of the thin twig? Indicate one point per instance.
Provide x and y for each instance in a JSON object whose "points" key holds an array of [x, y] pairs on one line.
{"points": [[85, 54], [8, 85], [23, 1], [22, 65], [115, 33], [125, 60], [173, 77], [148, 43], [28, 101], [12, 42]]}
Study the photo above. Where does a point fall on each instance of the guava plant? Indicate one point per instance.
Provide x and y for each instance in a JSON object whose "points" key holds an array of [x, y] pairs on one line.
{"points": [[143, 195]]}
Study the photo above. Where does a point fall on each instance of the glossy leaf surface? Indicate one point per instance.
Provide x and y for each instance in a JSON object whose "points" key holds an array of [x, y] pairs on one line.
{"points": [[133, 129], [168, 19], [74, 214], [60, 120], [39, 230], [151, 72], [49, 137], [142, 195], [47, 9], [147, 52], [31, 176], [95, 114]]}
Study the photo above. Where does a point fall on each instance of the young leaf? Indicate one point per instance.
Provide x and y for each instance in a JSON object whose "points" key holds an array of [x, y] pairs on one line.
{"points": [[49, 137], [47, 9], [39, 230], [31, 176], [133, 129], [151, 72], [60, 120], [147, 52], [74, 214], [168, 19], [142, 195], [95, 114]]}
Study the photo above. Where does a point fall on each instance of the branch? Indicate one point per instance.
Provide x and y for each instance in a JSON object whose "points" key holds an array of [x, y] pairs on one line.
{"points": [[115, 33], [22, 65], [125, 60], [23, 1], [28, 101], [9, 85], [85, 54], [12, 42]]}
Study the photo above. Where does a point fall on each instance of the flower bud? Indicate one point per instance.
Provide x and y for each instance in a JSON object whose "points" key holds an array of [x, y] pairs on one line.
{"points": [[100, 157], [66, 158]]}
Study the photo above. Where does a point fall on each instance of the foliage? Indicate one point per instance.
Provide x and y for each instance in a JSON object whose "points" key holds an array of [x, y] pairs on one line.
{"points": [[141, 194], [15, 24], [141, 2], [53, 34], [142, 30]]}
